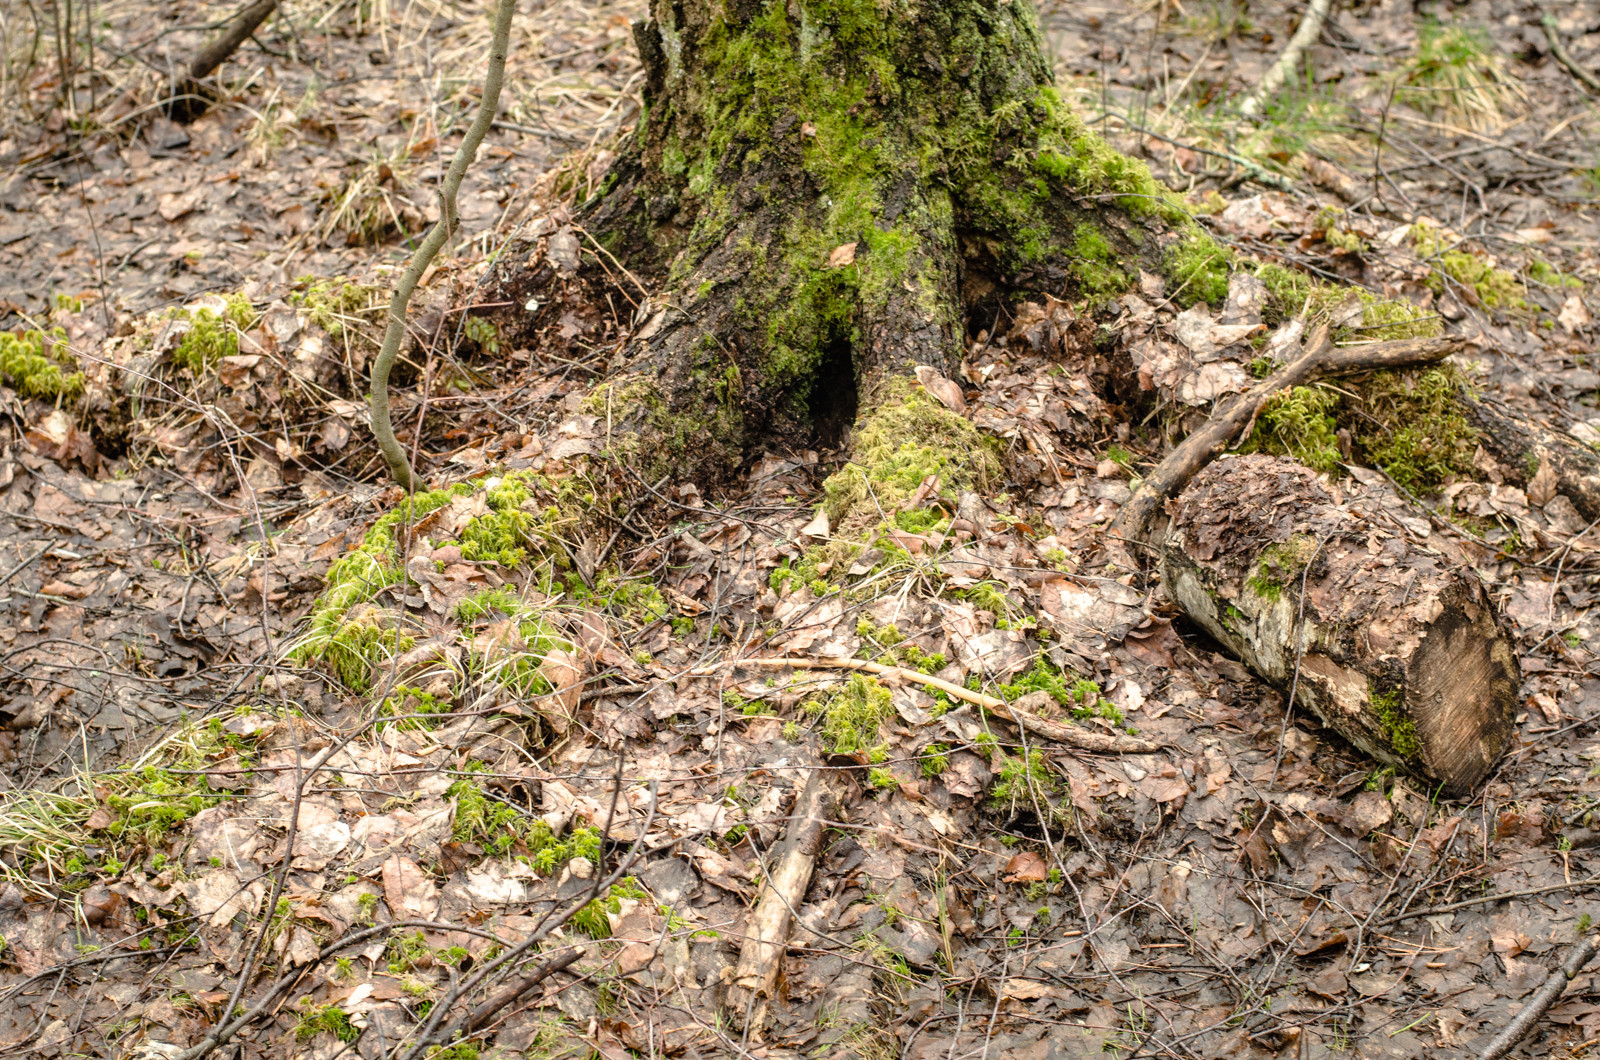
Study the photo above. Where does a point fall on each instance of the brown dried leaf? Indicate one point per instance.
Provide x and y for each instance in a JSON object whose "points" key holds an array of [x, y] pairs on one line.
{"points": [[1026, 867], [842, 255]]}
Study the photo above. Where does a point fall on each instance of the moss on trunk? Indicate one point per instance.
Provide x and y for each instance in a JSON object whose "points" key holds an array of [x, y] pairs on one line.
{"points": [[827, 189]]}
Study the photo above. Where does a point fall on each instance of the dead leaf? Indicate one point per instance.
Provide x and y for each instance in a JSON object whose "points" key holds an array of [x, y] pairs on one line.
{"points": [[1574, 315], [1543, 486], [565, 674], [409, 891], [946, 390], [842, 255], [817, 527], [1026, 867]]}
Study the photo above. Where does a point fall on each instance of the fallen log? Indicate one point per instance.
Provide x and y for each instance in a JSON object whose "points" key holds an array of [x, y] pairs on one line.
{"points": [[1527, 453], [1395, 645]]}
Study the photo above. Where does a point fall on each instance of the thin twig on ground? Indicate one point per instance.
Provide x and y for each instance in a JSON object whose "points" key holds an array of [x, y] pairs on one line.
{"points": [[1581, 954]]}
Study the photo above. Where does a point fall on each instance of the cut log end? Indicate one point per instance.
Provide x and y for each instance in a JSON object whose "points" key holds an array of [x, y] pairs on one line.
{"points": [[1394, 644]]}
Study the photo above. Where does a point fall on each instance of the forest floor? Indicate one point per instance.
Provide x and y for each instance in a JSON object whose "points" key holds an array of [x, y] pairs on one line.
{"points": [[183, 810]]}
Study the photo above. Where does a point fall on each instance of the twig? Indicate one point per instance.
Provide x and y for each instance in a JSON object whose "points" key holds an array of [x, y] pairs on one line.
{"points": [[1320, 360], [1554, 986], [783, 891], [244, 24], [1565, 58], [486, 1011], [1071, 735], [382, 428], [1304, 37]]}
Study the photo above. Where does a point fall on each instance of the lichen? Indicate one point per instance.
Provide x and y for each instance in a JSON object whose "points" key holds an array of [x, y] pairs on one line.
{"points": [[33, 363]]}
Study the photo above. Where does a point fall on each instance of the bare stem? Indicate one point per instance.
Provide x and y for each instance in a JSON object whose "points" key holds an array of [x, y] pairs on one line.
{"points": [[382, 427]]}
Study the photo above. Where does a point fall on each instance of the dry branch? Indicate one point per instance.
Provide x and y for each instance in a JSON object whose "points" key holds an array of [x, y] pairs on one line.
{"points": [[1540, 1003], [394, 453], [767, 933], [1393, 644], [1061, 732], [1320, 360], [1304, 37], [1564, 57], [190, 99]]}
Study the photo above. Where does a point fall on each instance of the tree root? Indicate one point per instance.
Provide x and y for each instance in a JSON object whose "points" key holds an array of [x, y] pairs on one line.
{"points": [[1071, 735], [1320, 360], [1304, 37], [1580, 954], [382, 427]]}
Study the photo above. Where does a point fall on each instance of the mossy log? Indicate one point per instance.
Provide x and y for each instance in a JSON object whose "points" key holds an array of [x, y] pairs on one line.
{"points": [[1395, 645], [1531, 455], [821, 194]]}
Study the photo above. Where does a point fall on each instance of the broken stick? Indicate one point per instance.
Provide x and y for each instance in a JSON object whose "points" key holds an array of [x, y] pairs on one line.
{"points": [[1320, 360], [767, 933], [1540, 1003], [1061, 732], [190, 99]]}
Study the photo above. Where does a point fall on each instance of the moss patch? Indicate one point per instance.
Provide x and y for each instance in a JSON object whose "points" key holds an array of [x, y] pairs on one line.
{"points": [[1300, 424], [1197, 266], [1492, 287], [1280, 565], [38, 364], [853, 715], [1412, 427], [1020, 779], [906, 439], [1398, 728]]}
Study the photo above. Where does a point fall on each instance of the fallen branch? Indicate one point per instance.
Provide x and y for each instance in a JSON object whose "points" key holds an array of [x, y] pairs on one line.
{"points": [[394, 453], [1321, 360], [1556, 985], [767, 932], [508, 995], [1071, 735], [1304, 37], [189, 98], [1565, 58]]}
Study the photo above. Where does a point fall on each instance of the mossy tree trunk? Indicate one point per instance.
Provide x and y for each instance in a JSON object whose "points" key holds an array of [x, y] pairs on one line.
{"points": [[826, 192]]}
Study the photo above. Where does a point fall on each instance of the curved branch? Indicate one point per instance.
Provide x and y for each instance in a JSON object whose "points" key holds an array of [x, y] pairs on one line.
{"points": [[1304, 37], [1535, 1008], [382, 427]]}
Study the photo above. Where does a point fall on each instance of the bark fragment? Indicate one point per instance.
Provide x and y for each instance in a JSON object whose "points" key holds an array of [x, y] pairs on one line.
{"points": [[1398, 647]]}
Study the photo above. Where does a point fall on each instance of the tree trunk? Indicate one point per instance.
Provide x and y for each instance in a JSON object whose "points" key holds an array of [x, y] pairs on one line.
{"points": [[1399, 649], [824, 192]]}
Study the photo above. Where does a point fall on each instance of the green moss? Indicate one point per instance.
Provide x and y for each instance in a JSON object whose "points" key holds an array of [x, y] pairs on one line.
{"points": [[334, 305], [1290, 293], [1095, 265], [33, 363], [1078, 695], [1413, 428], [908, 437], [1401, 732], [1022, 778], [888, 645], [325, 1019], [853, 715], [1542, 272], [151, 802], [210, 338], [935, 759], [405, 703], [1493, 287], [1281, 564], [1197, 269], [1299, 423], [592, 919]]}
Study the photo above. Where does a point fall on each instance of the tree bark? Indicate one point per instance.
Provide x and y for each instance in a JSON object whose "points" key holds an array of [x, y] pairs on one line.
{"points": [[1521, 449], [824, 191], [1394, 645]]}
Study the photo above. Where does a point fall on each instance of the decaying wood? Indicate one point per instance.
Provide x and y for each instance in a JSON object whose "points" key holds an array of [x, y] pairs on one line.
{"points": [[1078, 736], [767, 933], [1536, 1006], [1320, 359], [1533, 456], [1396, 644]]}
